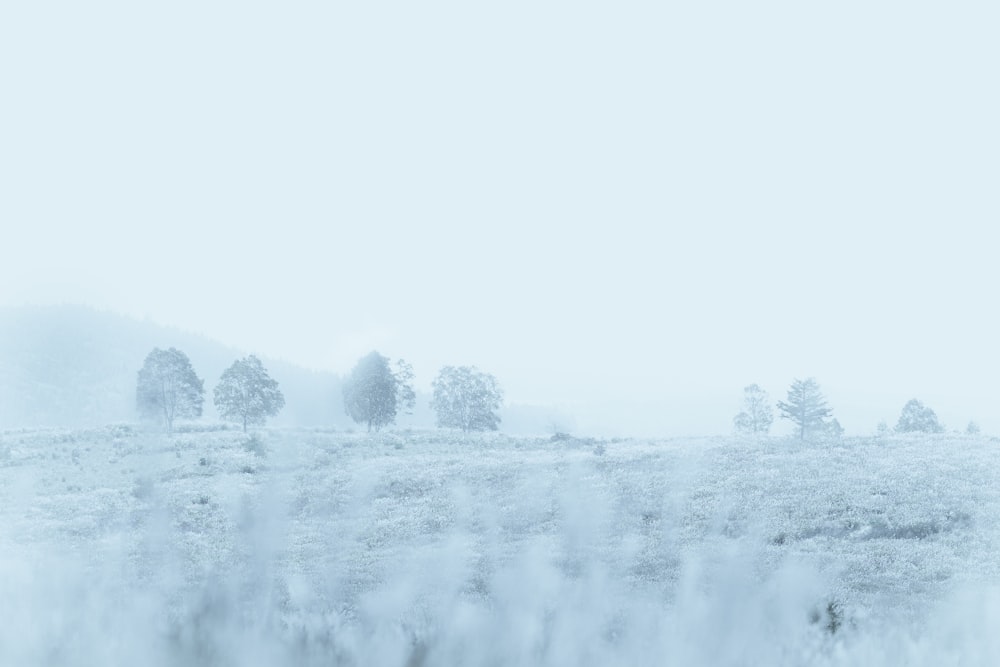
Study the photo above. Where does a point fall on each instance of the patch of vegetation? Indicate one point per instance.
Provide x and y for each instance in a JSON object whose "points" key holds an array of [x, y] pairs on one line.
{"points": [[201, 428], [255, 445], [830, 617], [121, 431]]}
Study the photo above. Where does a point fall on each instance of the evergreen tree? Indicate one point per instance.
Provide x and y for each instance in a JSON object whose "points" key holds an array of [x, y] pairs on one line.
{"points": [[917, 418], [805, 407]]}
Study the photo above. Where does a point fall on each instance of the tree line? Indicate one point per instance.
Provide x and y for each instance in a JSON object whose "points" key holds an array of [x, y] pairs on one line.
{"points": [[807, 409], [376, 391]]}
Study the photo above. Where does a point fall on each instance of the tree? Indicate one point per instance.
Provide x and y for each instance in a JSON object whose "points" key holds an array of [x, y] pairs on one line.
{"points": [[374, 393], [168, 388], [972, 428], [757, 415], [466, 398], [917, 418], [405, 396], [806, 407], [247, 394], [833, 429]]}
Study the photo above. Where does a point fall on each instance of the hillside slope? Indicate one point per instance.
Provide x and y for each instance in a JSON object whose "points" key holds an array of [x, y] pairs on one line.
{"points": [[72, 366]]}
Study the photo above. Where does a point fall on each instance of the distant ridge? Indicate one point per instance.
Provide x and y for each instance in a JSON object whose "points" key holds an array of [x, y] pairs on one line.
{"points": [[73, 366]]}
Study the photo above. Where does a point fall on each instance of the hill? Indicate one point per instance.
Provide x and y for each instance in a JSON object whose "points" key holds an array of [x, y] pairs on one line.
{"points": [[72, 366]]}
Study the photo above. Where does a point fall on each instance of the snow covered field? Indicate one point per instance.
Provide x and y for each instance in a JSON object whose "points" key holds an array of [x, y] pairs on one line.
{"points": [[322, 548]]}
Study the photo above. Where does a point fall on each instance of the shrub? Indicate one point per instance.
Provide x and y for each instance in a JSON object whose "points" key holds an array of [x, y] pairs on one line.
{"points": [[255, 445], [918, 418]]}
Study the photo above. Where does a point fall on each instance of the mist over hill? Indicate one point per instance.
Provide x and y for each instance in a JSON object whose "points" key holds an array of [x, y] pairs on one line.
{"points": [[72, 366]]}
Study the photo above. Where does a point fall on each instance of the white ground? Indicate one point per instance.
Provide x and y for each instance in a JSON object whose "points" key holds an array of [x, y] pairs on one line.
{"points": [[124, 547]]}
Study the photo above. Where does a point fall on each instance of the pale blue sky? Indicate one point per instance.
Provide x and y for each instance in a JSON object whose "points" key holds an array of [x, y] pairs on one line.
{"points": [[628, 203]]}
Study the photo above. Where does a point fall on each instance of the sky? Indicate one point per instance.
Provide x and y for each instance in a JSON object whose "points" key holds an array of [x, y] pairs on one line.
{"points": [[629, 209]]}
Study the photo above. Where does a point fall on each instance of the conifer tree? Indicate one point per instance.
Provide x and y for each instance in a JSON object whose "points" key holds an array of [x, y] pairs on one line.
{"points": [[806, 407]]}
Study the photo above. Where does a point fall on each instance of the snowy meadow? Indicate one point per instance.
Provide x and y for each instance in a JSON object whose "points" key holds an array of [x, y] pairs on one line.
{"points": [[313, 547]]}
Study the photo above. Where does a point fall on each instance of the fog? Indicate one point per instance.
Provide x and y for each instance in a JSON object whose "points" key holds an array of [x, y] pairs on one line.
{"points": [[633, 205], [626, 213]]}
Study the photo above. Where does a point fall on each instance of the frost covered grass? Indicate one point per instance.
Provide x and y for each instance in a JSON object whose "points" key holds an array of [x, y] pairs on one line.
{"points": [[423, 548]]}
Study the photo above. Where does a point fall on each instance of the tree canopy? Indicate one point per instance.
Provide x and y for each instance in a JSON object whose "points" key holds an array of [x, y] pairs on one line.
{"points": [[374, 393], [467, 398], [757, 415], [918, 418], [806, 407], [247, 394], [168, 388]]}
